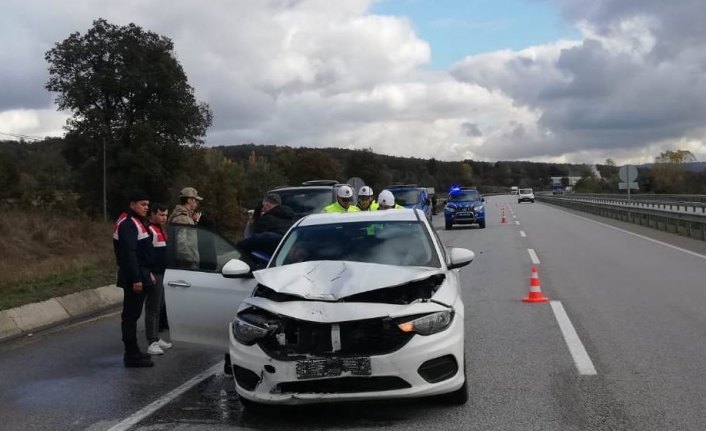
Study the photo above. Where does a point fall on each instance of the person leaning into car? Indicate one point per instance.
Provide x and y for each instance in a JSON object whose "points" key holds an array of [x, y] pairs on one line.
{"points": [[132, 244]]}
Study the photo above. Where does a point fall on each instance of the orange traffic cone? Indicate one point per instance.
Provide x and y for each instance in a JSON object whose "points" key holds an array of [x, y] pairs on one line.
{"points": [[503, 220], [535, 292]]}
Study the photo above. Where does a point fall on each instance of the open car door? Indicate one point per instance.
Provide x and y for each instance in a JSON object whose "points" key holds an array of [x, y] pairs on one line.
{"points": [[200, 301]]}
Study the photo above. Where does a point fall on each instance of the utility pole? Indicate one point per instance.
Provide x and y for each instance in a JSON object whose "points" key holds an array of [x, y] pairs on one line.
{"points": [[105, 187]]}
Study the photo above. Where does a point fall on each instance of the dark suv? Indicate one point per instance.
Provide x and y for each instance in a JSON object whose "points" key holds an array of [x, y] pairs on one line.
{"points": [[412, 196], [310, 197], [464, 206]]}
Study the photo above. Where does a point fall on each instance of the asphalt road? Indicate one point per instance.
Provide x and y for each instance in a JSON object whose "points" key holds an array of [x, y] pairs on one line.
{"points": [[637, 307]]}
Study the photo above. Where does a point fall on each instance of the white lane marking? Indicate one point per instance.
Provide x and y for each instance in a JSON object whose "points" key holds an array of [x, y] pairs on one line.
{"points": [[581, 359], [514, 216], [523, 234], [517, 222], [533, 256], [164, 400], [693, 253]]}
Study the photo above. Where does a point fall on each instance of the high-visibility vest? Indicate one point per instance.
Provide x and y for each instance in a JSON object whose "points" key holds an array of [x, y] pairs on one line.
{"points": [[337, 208]]}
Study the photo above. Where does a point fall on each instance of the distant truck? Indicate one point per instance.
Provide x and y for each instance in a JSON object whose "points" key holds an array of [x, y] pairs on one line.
{"points": [[514, 190]]}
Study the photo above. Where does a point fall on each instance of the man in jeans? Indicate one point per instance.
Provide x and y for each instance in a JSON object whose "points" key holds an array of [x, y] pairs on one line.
{"points": [[154, 298], [133, 253]]}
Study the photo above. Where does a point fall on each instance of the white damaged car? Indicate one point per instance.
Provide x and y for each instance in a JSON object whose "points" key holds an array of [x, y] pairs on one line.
{"points": [[351, 306]]}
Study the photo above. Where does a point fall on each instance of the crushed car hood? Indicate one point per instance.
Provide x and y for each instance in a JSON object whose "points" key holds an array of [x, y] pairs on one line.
{"points": [[331, 312], [326, 280]]}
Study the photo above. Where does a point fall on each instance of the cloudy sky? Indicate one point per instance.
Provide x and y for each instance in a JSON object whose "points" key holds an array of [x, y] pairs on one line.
{"points": [[542, 80]]}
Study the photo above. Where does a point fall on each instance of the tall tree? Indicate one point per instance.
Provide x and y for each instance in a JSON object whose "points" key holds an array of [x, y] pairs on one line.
{"points": [[675, 156], [131, 106]]}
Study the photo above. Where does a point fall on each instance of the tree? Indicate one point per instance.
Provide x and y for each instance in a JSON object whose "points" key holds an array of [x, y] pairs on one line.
{"points": [[675, 156], [609, 162], [133, 111]]}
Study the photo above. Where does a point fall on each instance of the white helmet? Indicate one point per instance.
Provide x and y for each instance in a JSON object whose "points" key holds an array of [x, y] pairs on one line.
{"points": [[365, 191], [386, 198], [345, 192]]}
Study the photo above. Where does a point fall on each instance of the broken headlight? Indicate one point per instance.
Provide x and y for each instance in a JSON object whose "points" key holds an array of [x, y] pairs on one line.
{"points": [[248, 327], [429, 324]]}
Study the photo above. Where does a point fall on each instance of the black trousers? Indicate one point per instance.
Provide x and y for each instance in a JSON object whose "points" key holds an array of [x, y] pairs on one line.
{"points": [[132, 309]]}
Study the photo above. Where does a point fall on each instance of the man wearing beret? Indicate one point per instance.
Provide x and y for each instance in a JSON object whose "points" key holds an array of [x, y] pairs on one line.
{"points": [[132, 244]]}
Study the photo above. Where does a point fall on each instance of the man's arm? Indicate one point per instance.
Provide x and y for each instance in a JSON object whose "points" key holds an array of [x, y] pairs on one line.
{"points": [[127, 232]]}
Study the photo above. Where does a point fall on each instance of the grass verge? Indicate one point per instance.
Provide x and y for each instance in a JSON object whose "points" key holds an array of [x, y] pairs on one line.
{"points": [[49, 255]]}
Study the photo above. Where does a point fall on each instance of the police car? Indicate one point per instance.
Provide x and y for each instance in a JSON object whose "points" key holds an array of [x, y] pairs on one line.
{"points": [[464, 205]]}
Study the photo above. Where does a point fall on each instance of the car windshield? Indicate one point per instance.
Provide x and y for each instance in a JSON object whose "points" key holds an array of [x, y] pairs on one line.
{"points": [[464, 195], [306, 201], [406, 197], [387, 242], [525, 191]]}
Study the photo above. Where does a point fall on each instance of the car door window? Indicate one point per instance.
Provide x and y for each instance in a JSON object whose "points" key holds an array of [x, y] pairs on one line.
{"points": [[199, 249]]}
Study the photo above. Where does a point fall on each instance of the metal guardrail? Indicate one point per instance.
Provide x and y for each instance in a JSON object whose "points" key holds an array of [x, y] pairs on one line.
{"points": [[676, 203], [689, 221]]}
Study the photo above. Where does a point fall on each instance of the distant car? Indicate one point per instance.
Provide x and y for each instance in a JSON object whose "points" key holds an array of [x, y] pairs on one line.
{"points": [[354, 306], [413, 197], [525, 195], [464, 205]]}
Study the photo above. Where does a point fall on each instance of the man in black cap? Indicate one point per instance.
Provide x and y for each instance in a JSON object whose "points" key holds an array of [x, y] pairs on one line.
{"points": [[133, 252]]}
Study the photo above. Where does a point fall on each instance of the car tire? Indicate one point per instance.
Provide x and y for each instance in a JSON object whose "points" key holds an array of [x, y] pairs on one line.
{"points": [[448, 226], [532, 201], [481, 224]]}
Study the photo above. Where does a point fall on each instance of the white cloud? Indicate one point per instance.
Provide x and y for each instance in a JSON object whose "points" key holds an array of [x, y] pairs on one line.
{"points": [[330, 73]]}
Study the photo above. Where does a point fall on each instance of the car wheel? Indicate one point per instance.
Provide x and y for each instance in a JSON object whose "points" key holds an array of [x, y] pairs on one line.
{"points": [[519, 201], [448, 226], [481, 224], [532, 201]]}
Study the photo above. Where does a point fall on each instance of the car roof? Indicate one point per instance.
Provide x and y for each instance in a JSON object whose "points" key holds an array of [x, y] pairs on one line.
{"points": [[361, 216]]}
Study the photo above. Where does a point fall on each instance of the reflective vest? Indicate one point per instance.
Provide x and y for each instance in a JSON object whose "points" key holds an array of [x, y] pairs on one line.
{"points": [[337, 208], [141, 229]]}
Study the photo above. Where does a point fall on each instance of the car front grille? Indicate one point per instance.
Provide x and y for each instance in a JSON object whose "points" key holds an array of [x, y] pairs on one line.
{"points": [[297, 339]]}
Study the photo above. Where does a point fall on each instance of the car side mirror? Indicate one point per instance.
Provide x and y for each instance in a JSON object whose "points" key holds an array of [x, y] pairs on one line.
{"points": [[460, 257], [236, 268]]}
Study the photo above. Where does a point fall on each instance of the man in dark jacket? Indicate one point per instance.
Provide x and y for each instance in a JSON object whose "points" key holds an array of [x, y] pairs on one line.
{"points": [[133, 252], [274, 217], [269, 228]]}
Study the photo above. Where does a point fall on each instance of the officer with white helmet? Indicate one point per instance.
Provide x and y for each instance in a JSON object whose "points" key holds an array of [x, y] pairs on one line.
{"points": [[344, 199], [365, 199], [386, 200]]}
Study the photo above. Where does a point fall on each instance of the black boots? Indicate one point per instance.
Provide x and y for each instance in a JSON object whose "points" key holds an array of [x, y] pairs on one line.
{"points": [[137, 360]]}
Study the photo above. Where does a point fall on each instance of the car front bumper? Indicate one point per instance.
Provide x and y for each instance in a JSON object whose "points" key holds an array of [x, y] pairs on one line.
{"points": [[401, 365], [464, 218]]}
